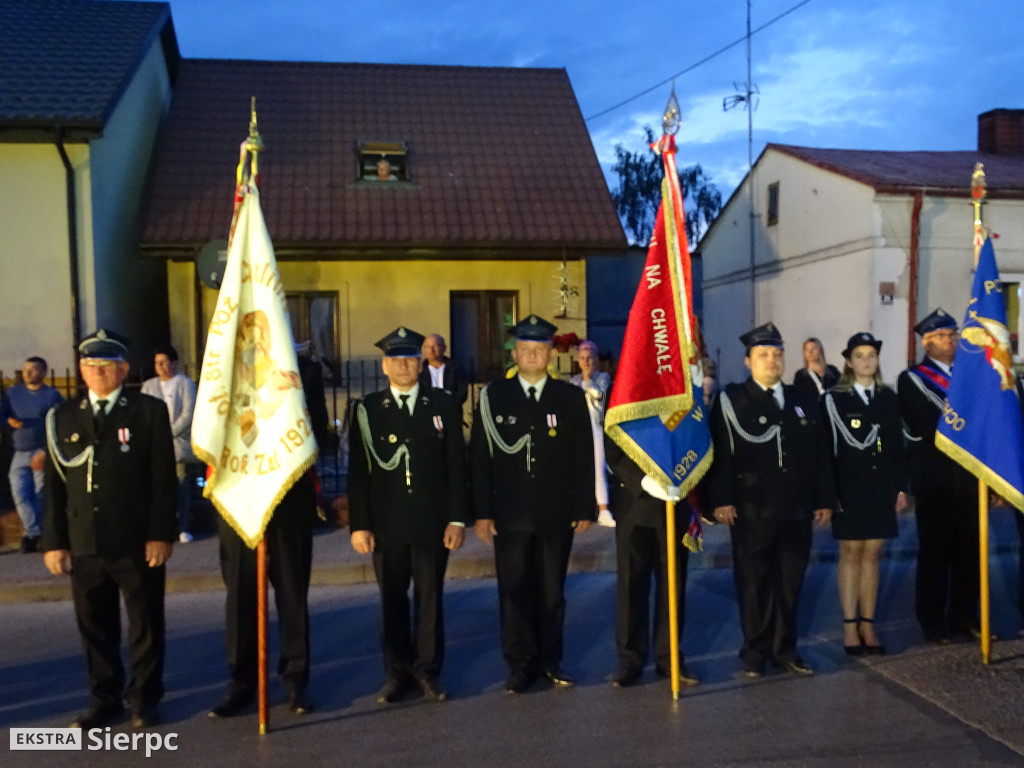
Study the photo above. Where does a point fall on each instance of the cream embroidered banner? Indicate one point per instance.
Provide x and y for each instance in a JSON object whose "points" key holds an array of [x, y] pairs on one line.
{"points": [[251, 425]]}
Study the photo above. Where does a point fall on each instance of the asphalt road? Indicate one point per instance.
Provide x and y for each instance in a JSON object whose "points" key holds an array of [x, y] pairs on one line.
{"points": [[919, 706]]}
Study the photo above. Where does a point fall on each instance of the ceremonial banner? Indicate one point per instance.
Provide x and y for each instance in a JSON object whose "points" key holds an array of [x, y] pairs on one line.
{"points": [[251, 425], [980, 427], [656, 409]]}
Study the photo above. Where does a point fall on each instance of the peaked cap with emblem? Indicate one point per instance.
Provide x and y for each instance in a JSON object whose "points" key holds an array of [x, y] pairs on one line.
{"points": [[104, 345], [533, 328], [938, 320], [401, 342], [862, 339], [766, 335]]}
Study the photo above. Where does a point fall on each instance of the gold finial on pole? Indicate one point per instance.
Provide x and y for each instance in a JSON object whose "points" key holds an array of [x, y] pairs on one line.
{"points": [[251, 148], [670, 118], [978, 192]]}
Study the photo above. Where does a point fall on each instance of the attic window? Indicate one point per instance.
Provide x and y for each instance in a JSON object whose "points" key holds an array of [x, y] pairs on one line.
{"points": [[773, 204], [383, 161]]}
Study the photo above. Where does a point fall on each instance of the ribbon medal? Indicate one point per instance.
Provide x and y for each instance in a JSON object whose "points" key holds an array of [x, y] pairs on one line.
{"points": [[124, 436], [438, 425], [552, 423]]}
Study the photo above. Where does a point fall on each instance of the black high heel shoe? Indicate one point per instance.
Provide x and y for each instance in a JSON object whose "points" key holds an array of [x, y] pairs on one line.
{"points": [[854, 650], [871, 650]]}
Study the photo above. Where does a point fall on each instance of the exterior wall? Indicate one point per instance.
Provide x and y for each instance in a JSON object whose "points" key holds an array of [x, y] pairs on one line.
{"points": [[35, 291], [376, 296], [805, 269], [128, 292]]}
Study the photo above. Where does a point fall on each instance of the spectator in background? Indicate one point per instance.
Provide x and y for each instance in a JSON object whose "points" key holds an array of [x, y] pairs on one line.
{"points": [[24, 408], [178, 392], [441, 372], [710, 385], [384, 171], [596, 386], [816, 376]]}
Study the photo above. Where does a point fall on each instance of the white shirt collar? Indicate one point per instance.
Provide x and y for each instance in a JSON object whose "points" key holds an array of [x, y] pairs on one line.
{"points": [[538, 387], [111, 399], [413, 393], [436, 376], [946, 369], [863, 391]]}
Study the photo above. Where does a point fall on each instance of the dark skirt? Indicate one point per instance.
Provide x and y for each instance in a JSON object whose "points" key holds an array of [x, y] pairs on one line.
{"points": [[860, 524]]}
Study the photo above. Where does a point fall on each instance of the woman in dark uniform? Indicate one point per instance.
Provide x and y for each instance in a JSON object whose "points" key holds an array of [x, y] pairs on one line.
{"points": [[864, 438], [817, 376]]}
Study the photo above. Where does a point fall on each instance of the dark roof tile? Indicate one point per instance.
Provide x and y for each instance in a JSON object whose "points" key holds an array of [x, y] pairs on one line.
{"points": [[498, 157]]}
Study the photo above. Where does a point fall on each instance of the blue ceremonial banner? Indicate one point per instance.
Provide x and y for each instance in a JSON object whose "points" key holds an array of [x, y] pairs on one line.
{"points": [[980, 427]]}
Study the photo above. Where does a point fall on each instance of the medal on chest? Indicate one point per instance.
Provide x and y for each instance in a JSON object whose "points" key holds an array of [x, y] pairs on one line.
{"points": [[552, 423], [123, 436]]}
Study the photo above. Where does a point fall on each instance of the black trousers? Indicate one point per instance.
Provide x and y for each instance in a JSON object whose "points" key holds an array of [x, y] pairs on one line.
{"points": [[641, 558], [947, 584], [96, 583], [769, 562], [413, 645], [531, 595], [289, 537]]}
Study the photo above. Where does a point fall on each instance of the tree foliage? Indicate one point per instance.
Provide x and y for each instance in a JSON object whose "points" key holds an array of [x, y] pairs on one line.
{"points": [[638, 194]]}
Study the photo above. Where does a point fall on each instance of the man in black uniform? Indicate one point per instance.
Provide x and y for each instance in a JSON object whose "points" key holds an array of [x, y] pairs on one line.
{"points": [[768, 481], [289, 536], [408, 505], [532, 455], [946, 494], [640, 553], [110, 522]]}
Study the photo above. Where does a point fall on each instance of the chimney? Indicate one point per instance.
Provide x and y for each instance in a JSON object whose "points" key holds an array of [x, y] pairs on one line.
{"points": [[1001, 132]]}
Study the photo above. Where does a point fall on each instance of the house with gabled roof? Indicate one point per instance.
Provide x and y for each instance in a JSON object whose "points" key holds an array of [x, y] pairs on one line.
{"points": [[829, 242], [492, 199], [85, 87]]}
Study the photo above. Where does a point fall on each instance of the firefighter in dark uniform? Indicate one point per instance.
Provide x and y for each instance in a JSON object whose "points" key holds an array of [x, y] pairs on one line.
{"points": [[946, 494], [408, 505], [638, 503], [532, 467], [110, 522], [768, 482]]}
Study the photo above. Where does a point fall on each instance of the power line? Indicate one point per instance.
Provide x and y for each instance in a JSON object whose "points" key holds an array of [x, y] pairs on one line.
{"points": [[693, 66]]}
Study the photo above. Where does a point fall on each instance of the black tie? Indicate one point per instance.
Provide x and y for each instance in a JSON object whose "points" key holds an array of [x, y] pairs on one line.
{"points": [[101, 415], [771, 396], [405, 405], [869, 394], [531, 393]]}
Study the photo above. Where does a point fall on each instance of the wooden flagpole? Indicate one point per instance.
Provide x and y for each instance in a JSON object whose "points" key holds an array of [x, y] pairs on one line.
{"points": [[261, 633], [978, 194], [986, 635], [673, 598]]}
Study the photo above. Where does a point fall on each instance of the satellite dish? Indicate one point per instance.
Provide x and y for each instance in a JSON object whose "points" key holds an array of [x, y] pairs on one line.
{"points": [[211, 261]]}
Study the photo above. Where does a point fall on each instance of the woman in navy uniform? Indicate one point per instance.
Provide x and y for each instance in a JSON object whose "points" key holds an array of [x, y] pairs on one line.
{"points": [[863, 437], [408, 505], [110, 522], [532, 466]]}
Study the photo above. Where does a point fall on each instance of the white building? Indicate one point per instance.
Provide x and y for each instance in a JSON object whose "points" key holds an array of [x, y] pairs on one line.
{"points": [[851, 240]]}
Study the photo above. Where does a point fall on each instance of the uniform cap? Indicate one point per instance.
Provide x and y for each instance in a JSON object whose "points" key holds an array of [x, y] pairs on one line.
{"points": [[401, 342]]}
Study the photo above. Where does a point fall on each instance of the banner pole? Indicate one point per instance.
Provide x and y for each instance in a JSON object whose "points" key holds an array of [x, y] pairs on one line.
{"points": [[986, 634], [261, 633], [673, 598]]}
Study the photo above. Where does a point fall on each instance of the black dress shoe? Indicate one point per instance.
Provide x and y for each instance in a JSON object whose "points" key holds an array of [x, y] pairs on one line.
{"points": [[432, 690], [797, 667], [625, 677], [558, 678], [393, 690], [145, 716], [752, 669], [233, 703], [935, 636], [519, 682], [299, 701], [98, 715], [972, 631], [29, 544], [686, 677]]}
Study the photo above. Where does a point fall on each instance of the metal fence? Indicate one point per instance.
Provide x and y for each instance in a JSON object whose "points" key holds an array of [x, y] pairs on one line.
{"points": [[344, 385]]}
